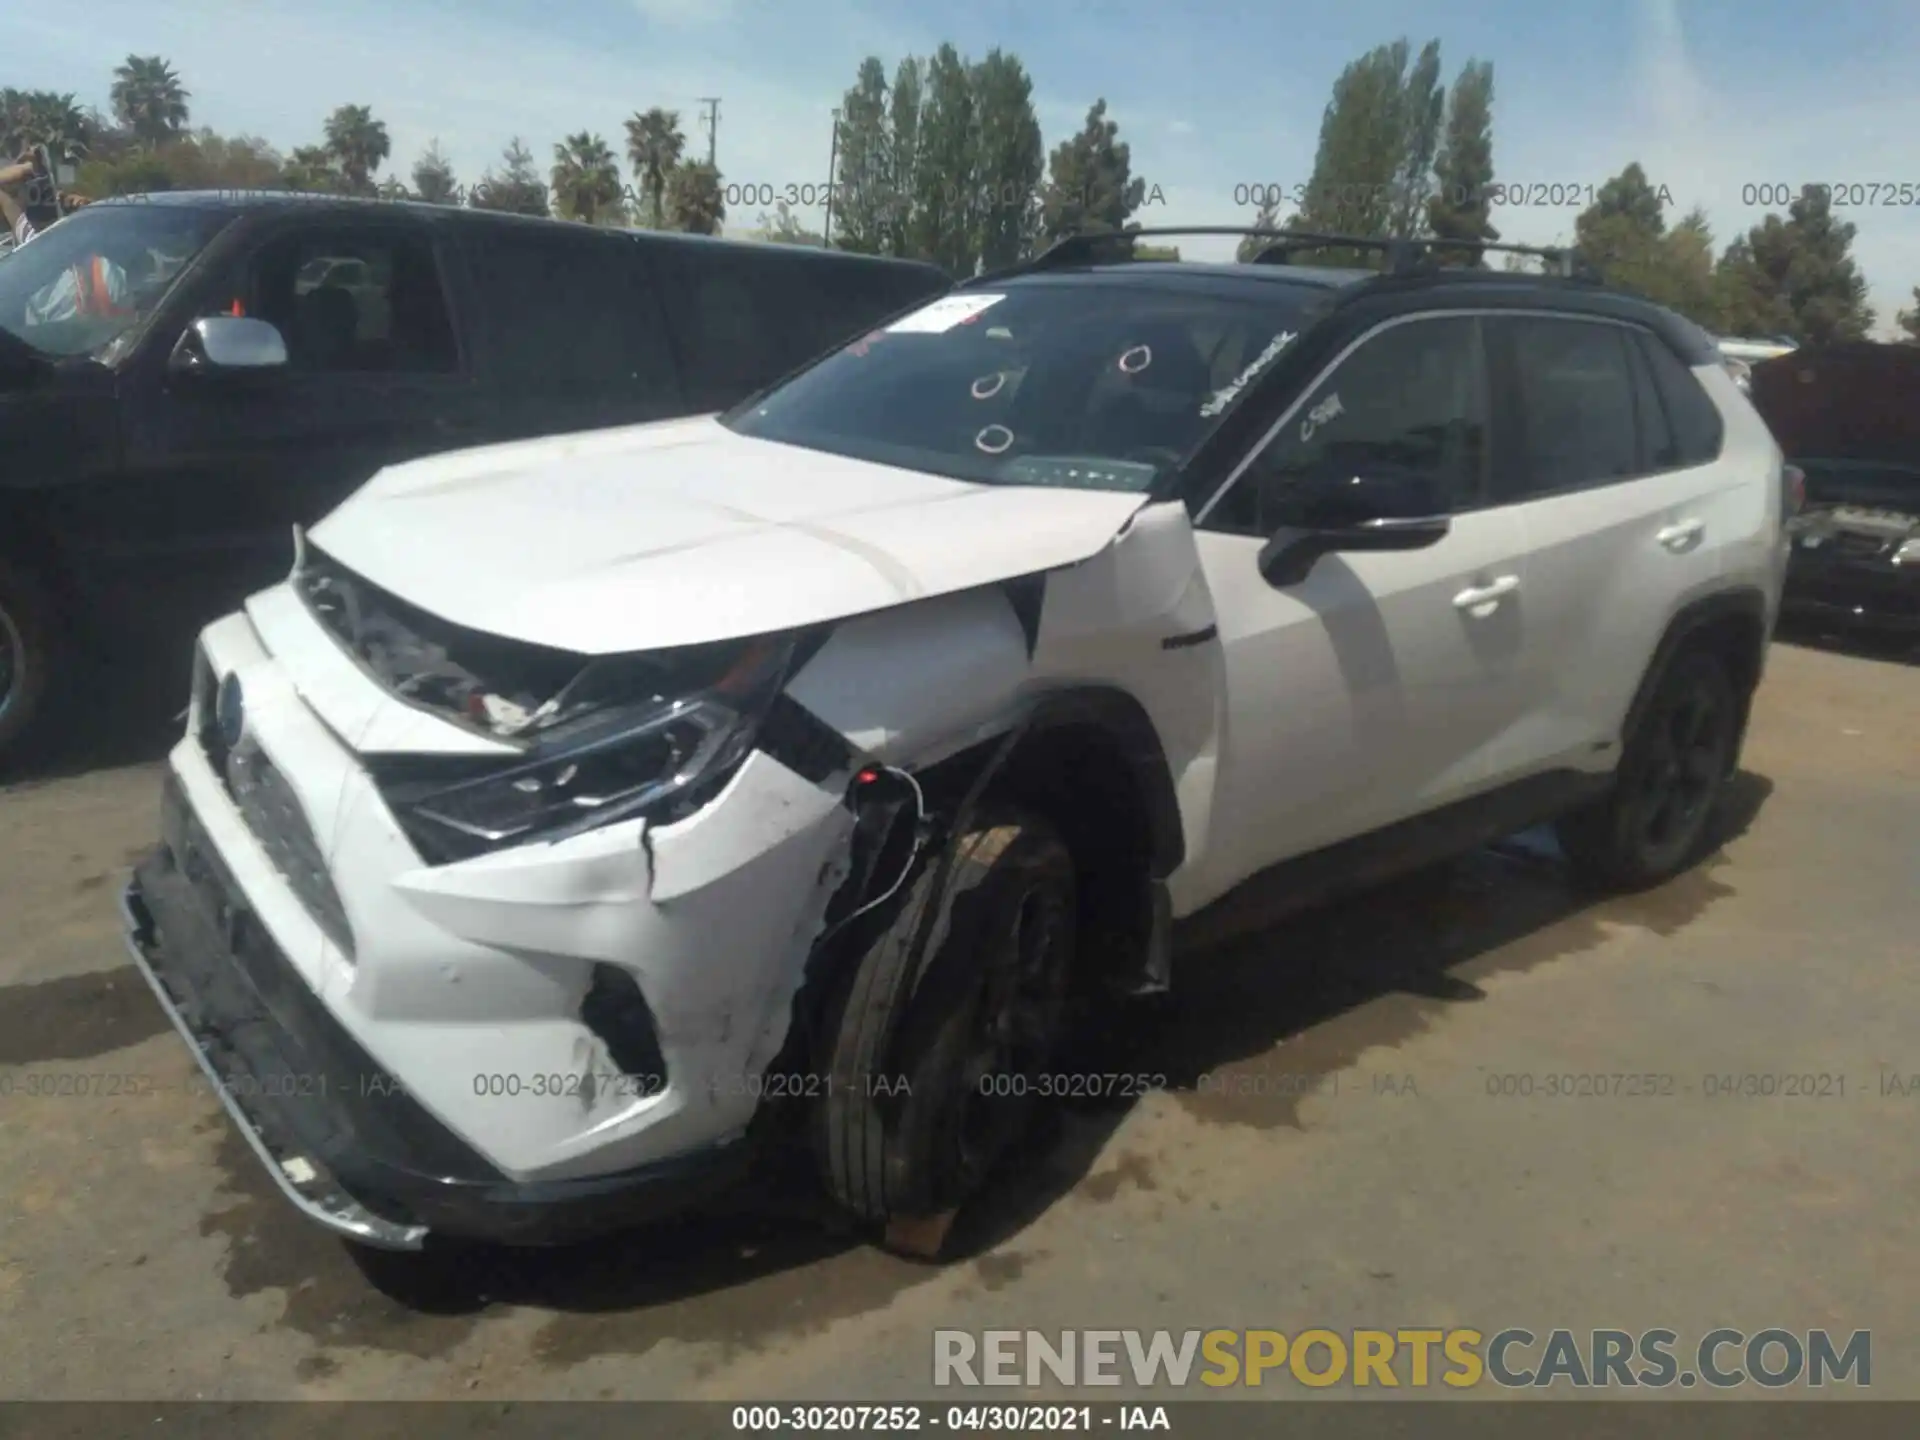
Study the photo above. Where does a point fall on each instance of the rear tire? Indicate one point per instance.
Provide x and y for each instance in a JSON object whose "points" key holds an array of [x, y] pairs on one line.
{"points": [[27, 650], [966, 986], [1654, 820]]}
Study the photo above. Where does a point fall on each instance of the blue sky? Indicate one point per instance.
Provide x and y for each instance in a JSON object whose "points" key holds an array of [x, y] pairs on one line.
{"points": [[1711, 96]]}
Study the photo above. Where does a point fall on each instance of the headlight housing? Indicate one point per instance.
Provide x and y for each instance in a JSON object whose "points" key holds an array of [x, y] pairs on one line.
{"points": [[1908, 553], [651, 735]]}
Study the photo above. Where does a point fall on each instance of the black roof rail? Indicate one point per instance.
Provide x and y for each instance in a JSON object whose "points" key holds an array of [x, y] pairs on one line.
{"points": [[1402, 255]]}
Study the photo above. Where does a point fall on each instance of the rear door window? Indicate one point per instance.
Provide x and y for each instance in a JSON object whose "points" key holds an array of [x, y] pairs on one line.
{"points": [[738, 326], [1576, 407], [571, 315]]}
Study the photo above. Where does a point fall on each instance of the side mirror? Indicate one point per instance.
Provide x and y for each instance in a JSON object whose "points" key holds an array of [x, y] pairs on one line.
{"points": [[1381, 508], [228, 342]]}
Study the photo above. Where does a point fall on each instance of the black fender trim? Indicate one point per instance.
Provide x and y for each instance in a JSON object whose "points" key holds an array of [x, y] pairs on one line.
{"points": [[1746, 603], [1124, 718]]}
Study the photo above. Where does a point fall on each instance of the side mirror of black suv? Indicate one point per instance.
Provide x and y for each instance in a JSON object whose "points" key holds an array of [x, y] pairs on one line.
{"points": [[228, 342], [1381, 507]]}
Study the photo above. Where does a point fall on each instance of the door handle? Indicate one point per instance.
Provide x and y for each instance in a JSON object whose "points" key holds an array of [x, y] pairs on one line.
{"points": [[1481, 601], [1681, 535]]}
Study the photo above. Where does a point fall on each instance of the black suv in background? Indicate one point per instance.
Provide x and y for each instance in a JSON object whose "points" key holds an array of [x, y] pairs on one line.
{"points": [[184, 377]]}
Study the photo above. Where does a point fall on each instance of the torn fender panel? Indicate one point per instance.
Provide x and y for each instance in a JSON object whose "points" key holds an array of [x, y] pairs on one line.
{"points": [[644, 545], [900, 683], [1110, 622]]}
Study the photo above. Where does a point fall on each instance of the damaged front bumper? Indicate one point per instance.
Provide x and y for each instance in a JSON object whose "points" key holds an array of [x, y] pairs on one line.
{"points": [[539, 1043], [339, 1135]]}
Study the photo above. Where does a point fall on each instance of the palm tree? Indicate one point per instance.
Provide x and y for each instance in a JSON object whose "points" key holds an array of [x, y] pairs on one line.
{"points": [[654, 145], [586, 178], [148, 99], [358, 143], [42, 117], [310, 167], [694, 199]]}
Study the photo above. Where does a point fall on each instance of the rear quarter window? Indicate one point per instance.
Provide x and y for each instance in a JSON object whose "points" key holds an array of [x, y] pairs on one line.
{"points": [[1697, 430]]}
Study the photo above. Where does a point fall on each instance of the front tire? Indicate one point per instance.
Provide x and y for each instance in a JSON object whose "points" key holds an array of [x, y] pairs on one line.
{"points": [[1654, 820], [966, 986], [27, 635]]}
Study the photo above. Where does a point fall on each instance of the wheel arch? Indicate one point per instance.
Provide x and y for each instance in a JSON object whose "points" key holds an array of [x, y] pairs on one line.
{"points": [[1730, 623]]}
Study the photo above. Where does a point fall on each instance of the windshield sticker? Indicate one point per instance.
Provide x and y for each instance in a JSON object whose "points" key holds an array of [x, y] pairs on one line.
{"points": [[943, 314], [988, 386], [1326, 410], [1133, 361], [1228, 393], [994, 440]]}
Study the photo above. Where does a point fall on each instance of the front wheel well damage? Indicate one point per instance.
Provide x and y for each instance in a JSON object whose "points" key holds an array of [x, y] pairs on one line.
{"points": [[1106, 790]]}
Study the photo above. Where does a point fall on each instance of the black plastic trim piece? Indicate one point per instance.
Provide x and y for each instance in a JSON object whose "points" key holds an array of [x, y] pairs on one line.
{"points": [[1027, 594], [803, 742], [1188, 641]]}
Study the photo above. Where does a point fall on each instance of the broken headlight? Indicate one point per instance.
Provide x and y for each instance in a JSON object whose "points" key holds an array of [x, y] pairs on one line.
{"points": [[649, 735]]}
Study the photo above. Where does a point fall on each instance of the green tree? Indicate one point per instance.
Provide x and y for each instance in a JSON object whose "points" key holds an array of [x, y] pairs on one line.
{"points": [[1796, 277], [44, 117], [357, 143], [1625, 233], [864, 199], [695, 202], [312, 168], [1008, 161], [433, 178], [903, 149], [236, 162], [1373, 169], [1910, 320], [1156, 252], [201, 161], [1461, 204], [783, 227], [149, 99], [945, 222], [518, 189], [1265, 217], [655, 144], [586, 179], [1627, 207], [1090, 181]]}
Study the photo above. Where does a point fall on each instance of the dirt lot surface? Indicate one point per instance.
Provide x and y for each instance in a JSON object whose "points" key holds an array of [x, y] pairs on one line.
{"points": [[143, 1254]]}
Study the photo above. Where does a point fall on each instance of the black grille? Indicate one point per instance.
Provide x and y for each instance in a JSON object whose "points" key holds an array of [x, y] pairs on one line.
{"points": [[1855, 546], [278, 821]]}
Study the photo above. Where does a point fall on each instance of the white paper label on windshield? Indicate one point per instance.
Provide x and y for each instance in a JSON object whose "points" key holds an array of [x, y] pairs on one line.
{"points": [[943, 314]]}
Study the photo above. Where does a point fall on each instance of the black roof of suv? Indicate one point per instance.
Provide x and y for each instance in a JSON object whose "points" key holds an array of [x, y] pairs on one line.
{"points": [[1410, 281]]}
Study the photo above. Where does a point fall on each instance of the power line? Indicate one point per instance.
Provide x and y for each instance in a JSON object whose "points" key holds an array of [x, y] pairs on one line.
{"points": [[833, 162], [712, 102]]}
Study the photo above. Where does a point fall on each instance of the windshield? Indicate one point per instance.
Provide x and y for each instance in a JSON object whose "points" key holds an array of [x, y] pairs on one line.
{"points": [[1084, 385], [89, 279]]}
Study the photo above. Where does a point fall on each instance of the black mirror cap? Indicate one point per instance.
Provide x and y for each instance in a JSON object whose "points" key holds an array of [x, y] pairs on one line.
{"points": [[1289, 557]]}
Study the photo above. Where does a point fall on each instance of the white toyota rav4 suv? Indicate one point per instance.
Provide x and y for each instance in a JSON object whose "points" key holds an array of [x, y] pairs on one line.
{"points": [[582, 813]]}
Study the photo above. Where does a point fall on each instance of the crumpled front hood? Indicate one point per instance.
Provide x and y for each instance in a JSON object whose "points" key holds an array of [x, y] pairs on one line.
{"points": [[682, 532]]}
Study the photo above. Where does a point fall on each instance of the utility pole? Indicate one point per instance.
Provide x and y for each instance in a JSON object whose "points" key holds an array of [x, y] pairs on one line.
{"points": [[833, 162], [712, 102]]}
